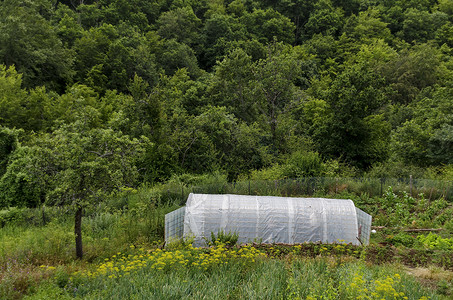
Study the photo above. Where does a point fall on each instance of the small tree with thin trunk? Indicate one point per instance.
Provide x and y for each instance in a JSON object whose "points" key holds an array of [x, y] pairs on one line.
{"points": [[82, 166]]}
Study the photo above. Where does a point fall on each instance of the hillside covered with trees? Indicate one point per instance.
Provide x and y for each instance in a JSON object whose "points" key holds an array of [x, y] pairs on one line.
{"points": [[99, 95]]}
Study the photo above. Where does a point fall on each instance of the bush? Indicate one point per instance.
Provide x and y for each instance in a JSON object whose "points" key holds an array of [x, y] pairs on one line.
{"points": [[303, 164], [102, 224], [434, 241], [403, 239], [229, 239], [11, 216]]}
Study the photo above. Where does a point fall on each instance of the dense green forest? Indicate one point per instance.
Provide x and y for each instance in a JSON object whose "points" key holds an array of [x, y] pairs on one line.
{"points": [[97, 96]]}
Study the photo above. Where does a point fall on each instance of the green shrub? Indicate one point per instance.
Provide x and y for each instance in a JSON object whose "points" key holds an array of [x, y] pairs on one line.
{"points": [[434, 241], [303, 164], [275, 172], [61, 277], [227, 238], [102, 224], [48, 291], [429, 212], [11, 216], [403, 239]]}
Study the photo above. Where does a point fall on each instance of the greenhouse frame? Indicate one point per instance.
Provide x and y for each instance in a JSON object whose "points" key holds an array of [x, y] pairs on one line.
{"points": [[269, 219]]}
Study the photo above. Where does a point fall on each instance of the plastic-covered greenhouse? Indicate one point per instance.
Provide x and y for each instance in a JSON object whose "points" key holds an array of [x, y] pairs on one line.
{"points": [[269, 219]]}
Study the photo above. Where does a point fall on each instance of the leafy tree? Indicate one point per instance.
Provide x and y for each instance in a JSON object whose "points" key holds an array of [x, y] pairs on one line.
{"points": [[78, 103], [347, 121], [419, 26], [303, 164], [325, 18], [144, 112], [444, 34], [215, 140], [215, 7], [422, 5], [231, 85], [22, 185], [298, 11], [369, 26], [11, 95], [268, 24], [393, 15], [80, 166], [108, 57], [218, 34], [68, 29], [235, 145], [180, 24], [411, 71], [325, 47], [446, 6], [178, 56], [28, 41], [90, 15], [132, 12], [19, 108], [350, 6], [237, 8], [426, 138], [8, 144], [274, 86], [166, 121], [91, 50]]}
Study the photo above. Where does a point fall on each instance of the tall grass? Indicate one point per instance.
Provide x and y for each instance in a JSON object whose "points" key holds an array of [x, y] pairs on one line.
{"points": [[297, 278], [49, 239]]}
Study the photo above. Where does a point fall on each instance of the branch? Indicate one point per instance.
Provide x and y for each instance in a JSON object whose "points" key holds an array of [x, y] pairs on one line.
{"points": [[408, 230], [423, 229]]}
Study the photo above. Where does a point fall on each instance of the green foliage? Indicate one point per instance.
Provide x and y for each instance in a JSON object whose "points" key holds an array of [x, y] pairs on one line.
{"points": [[19, 108], [175, 56], [434, 241], [48, 291], [425, 139], [227, 238], [403, 239], [230, 86], [419, 26], [304, 165], [30, 42], [21, 185], [74, 166], [221, 34], [412, 71], [347, 125], [11, 216], [8, 144], [48, 244], [368, 27], [180, 24], [325, 18]]}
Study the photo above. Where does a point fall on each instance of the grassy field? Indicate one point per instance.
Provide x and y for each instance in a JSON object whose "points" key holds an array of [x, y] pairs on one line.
{"points": [[124, 257], [239, 273]]}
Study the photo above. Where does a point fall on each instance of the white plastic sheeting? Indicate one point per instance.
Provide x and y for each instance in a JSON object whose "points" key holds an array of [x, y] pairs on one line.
{"points": [[271, 219]]}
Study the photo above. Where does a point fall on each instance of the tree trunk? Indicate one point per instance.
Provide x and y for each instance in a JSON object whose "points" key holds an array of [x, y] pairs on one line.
{"points": [[78, 232]]}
